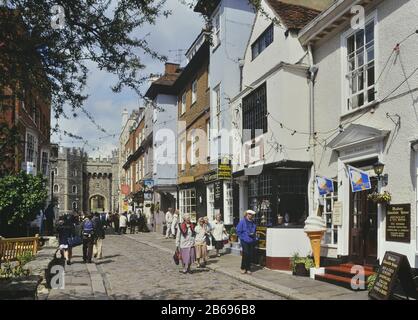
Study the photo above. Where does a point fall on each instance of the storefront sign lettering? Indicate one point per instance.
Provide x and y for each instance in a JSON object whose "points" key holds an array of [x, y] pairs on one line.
{"points": [[398, 223], [394, 266], [337, 214]]}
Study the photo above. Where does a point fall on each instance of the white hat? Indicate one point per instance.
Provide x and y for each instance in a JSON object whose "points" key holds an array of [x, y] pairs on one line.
{"points": [[250, 212]]}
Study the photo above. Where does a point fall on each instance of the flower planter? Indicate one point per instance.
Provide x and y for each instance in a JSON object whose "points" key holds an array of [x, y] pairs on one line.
{"points": [[300, 270]]}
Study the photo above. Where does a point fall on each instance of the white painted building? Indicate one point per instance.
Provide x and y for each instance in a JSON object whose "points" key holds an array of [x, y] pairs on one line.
{"points": [[272, 153], [232, 22], [366, 110], [162, 130]]}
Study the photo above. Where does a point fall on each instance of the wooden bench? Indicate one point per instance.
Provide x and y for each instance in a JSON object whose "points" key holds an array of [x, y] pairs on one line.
{"points": [[11, 248]]}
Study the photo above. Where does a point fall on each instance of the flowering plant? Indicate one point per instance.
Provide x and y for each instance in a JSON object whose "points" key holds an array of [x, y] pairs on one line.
{"points": [[384, 197]]}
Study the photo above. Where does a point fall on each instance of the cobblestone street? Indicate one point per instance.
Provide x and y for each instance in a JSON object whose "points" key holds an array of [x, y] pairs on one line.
{"points": [[133, 270]]}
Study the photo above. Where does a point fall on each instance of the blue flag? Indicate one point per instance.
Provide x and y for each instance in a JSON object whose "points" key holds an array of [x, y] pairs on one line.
{"points": [[325, 186], [360, 180]]}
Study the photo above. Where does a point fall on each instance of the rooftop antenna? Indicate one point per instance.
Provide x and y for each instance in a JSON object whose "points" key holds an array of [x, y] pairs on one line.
{"points": [[179, 55]]}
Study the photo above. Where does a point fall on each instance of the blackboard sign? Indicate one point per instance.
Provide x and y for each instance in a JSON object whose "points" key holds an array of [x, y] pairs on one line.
{"points": [[394, 268], [398, 223], [218, 190]]}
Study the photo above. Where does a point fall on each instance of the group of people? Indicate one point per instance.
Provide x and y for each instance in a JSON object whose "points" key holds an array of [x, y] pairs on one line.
{"points": [[192, 240], [87, 230], [120, 223]]}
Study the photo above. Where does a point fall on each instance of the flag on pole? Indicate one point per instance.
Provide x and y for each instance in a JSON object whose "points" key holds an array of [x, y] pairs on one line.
{"points": [[325, 185], [360, 180]]}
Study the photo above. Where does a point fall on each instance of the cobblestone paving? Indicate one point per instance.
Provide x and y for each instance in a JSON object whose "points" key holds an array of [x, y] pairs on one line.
{"points": [[133, 270]]}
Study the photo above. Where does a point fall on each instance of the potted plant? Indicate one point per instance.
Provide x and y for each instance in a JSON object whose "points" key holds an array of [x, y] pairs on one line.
{"points": [[301, 265], [382, 198], [233, 235]]}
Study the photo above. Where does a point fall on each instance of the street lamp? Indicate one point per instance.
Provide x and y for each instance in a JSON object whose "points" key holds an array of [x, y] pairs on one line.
{"points": [[378, 168]]}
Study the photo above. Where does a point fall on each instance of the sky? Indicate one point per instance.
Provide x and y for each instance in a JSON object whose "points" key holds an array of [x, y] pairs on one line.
{"points": [[178, 31]]}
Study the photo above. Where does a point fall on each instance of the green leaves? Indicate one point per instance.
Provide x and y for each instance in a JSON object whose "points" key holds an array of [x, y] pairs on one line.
{"points": [[22, 196]]}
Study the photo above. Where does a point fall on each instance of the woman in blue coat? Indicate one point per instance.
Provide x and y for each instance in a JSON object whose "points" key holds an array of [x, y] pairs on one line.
{"points": [[246, 231]]}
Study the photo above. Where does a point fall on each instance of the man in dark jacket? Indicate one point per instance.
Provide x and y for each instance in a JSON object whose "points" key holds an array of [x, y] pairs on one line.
{"points": [[88, 235], [246, 231], [99, 235]]}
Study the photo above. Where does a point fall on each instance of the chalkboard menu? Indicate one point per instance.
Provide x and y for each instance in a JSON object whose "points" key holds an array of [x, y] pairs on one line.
{"points": [[395, 267], [398, 223]]}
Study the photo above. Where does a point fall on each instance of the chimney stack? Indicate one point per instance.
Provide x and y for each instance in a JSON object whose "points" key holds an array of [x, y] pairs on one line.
{"points": [[171, 68]]}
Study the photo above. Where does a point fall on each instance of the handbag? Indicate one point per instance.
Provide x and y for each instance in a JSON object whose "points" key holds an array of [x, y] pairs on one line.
{"points": [[74, 241], [176, 257]]}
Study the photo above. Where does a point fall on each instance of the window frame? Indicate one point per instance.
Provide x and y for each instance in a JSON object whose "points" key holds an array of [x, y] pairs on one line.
{"points": [[217, 26], [333, 230], [250, 113], [183, 154], [74, 187], [183, 103], [194, 92], [345, 108], [35, 147], [186, 201], [262, 38]]}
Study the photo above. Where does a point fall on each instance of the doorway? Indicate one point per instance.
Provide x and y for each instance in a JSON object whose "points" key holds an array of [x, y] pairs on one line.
{"points": [[363, 227]]}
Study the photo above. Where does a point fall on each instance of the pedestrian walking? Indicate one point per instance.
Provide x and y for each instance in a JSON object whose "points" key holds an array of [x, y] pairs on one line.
{"points": [[219, 233], [123, 223], [246, 231], [175, 223], [87, 229], [169, 222], [99, 235], [133, 222], [202, 234], [116, 219], [185, 243], [66, 230]]}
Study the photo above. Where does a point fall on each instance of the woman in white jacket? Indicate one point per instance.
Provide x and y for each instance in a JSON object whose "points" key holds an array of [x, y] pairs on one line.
{"points": [[218, 231]]}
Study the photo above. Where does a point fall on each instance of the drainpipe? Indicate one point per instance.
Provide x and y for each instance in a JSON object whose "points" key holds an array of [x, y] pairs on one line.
{"points": [[313, 70]]}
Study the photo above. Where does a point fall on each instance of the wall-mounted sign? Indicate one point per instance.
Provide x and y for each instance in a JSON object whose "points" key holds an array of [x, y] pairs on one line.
{"points": [[360, 180], [224, 169], [398, 223], [325, 186], [337, 214], [211, 176], [394, 267], [218, 194]]}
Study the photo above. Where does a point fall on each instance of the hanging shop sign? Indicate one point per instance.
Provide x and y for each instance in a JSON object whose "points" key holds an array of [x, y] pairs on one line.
{"points": [[224, 169], [398, 223], [360, 180], [395, 268], [148, 186], [325, 186], [337, 214], [125, 189]]}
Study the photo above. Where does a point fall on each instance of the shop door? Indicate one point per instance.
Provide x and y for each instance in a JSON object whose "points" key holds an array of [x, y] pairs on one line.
{"points": [[363, 228]]}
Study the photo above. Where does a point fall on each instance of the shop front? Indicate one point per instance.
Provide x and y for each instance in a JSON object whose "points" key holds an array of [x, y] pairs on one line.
{"points": [[219, 193], [279, 196]]}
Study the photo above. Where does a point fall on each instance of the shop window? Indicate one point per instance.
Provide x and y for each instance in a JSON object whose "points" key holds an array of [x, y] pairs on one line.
{"points": [[260, 198], [211, 202], [254, 108], [228, 204], [188, 202], [331, 235]]}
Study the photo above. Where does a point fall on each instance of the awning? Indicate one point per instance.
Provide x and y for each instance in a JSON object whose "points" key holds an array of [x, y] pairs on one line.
{"points": [[284, 164]]}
